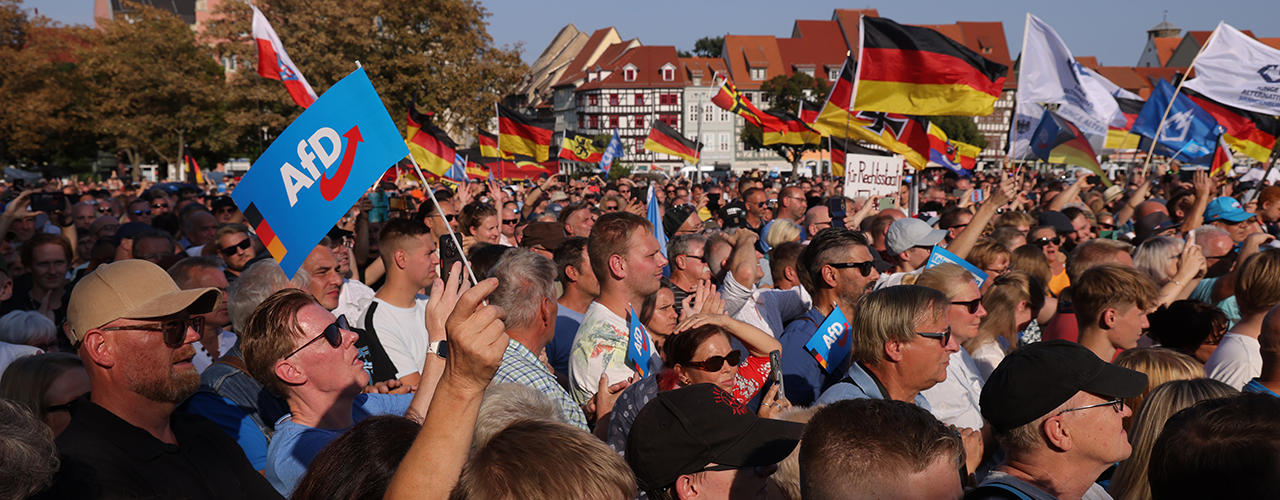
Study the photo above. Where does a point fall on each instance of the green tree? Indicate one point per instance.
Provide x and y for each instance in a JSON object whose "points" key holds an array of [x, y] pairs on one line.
{"points": [[153, 89], [619, 169], [960, 129], [439, 49], [785, 93], [708, 46]]}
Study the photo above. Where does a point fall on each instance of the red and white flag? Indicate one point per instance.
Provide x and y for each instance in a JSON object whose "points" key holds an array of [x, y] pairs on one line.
{"points": [[275, 64]]}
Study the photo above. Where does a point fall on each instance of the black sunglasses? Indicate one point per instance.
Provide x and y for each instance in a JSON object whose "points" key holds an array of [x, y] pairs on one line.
{"points": [[174, 331], [234, 249], [331, 334], [1106, 226], [69, 406], [141, 212], [510, 222], [104, 209], [971, 305], [715, 363], [943, 337], [1045, 240], [160, 205], [863, 267]]}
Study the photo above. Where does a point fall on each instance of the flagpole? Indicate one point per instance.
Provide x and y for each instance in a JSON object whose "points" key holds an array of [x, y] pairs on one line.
{"points": [[1169, 107], [697, 164], [1013, 142], [1271, 167], [431, 193], [498, 140]]}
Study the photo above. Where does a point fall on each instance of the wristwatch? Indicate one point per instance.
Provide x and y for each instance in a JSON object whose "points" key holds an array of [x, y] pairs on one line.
{"points": [[440, 348]]}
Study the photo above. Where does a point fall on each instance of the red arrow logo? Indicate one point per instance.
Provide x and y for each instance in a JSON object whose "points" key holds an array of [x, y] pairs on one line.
{"points": [[331, 187]]}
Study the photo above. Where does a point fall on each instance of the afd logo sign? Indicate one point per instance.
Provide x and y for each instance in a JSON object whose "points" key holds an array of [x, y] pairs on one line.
{"points": [[318, 168], [1270, 73]]}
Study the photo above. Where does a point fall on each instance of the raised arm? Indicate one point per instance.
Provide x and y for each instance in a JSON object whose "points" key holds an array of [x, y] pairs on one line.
{"points": [[444, 298], [1204, 190], [742, 261], [967, 238], [1139, 195], [1070, 193], [757, 342]]}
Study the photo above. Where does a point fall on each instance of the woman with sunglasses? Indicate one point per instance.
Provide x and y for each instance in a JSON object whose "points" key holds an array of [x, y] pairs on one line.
{"points": [[955, 400], [1047, 240]]}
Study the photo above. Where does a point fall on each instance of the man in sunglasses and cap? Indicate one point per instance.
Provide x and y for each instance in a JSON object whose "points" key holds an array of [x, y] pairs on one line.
{"points": [[700, 442], [1058, 410], [133, 329]]}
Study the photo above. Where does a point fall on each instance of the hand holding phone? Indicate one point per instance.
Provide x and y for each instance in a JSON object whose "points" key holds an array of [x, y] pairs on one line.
{"points": [[775, 364], [885, 203], [836, 206]]}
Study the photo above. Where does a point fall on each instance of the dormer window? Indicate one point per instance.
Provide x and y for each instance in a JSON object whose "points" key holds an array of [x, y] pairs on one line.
{"points": [[758, 73], [668, 75], [629, 74]]}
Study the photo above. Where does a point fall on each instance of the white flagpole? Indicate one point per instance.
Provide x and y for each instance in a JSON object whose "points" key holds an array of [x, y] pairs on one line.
{"points": [[431, 193], [1173, 98]]}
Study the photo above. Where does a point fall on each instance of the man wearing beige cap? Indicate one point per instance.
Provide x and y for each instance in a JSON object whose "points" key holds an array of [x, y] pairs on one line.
{"points": [[133, 329]]}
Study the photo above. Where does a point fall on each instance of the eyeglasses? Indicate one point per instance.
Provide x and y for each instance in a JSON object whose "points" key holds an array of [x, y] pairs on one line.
{"points": [[510, 222], [702, 258], [67, 407], [447, 217], [160, 205], [236, 248], [228, 210], [1105, 226], [715, 363], [141, 212], [104, 209], [863, 267], [1045, 240], [331, 334], [611, 208], [1115, 404], [174, 330], [971, 305], [943, 337], [758, 470]]}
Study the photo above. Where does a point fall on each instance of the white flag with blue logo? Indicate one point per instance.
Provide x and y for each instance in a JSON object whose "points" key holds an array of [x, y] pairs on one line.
{"points": [[1237, 70]]}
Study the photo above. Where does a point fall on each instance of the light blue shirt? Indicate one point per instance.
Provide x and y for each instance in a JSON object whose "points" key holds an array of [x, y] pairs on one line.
{"points": [[295, 445], [862, 386], [1257, 387]]}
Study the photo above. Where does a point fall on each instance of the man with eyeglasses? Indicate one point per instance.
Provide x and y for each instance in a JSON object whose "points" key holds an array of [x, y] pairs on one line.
{"points": [[159, 202], [756, 204], [133, 328], [1058, 411], [510, 218], [140, 211], [225, 210], [235, 246], [836, 269], [153, 245], [688, 265], [199, 273]]}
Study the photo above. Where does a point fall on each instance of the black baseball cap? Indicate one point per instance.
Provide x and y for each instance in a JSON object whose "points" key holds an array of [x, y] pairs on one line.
{"points": [[733, 215], [1030, 382], [222, 201], [675, 218], [1057, 220], [1154, 223], [682, 431]]}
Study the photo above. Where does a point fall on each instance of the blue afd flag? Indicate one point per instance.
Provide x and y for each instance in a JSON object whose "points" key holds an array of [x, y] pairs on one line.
{"points": [[458, 171], [831, 343], [656, 220], [638, 352], [318, 168], [1190, 131], [942, 256], [613, 150]]}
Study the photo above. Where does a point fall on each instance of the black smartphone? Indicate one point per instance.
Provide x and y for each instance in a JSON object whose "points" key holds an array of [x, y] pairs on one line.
{"points": [[1094, 181], [836, 206], [563, 178], [19, 184], [713, 201], [47, 202], [775, 363], [449, 253]]}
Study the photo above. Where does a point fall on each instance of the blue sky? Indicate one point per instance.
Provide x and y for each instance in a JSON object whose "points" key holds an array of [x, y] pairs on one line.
{"points": [[1114, 31]]}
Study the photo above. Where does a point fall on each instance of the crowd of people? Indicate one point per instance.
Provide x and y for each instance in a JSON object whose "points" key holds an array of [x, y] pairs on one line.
{"points": [[471, 342]]}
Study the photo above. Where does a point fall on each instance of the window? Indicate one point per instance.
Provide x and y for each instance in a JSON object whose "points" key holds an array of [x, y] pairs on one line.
{"points": [[672, 120], [758, 73], [724, 142], [613, 99], [639, 99], [581, 118], [639, 146], [593, 100], [711, 115], [613, 121], [639, 121], [629, 75], [833, 73], [668, 74], [807, 71], [595, 121], [668, 100], [748, 97], [708, 140], [577, 100], [724, 115], [229, 63]]}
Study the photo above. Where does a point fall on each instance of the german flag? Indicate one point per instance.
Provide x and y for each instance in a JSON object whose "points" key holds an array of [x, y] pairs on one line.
{"points": [[519, 135], [265, 234], [1058, 137], [488, 144], [583, 148], [729, 99], [902, 134], [786, 128], [913, 70], [1221, 157], [519, 167], [475, 165], [809, 110], [955, 155], [428, 144], [1120, 138], [664, 139], [840, 149], [1251, 133]]}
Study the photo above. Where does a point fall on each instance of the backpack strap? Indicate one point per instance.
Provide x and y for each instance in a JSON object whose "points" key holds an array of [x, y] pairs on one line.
{"points": [[234, 362]]}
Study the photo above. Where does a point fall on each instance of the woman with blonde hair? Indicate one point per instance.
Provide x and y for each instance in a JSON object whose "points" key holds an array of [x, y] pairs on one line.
{"points": [[990, 256], [1031, 260], [1175, 266], [1161, 365], [782, 231], [1012, 303], [955, 400], [1130, 479]]}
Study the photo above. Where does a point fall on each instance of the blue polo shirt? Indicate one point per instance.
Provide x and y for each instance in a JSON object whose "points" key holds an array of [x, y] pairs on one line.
{"points": [[802, 376], [861, 385]]}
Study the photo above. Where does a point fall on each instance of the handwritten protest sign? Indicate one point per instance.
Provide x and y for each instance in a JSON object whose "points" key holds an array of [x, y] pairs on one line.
{"points": [[868, 176]]}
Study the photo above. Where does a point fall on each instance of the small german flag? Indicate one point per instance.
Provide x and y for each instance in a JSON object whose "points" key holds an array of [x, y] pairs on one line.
{"points": [[1058, 137], [914, 70], [519, 135], [902, 134], [583, 148], [664, 139], [489, 146], [264, 232], [1249, 132], [1120, 138], [429, 145], [730, 100], [809, 110], [475, 167], [1221, 157], [786, 128]]}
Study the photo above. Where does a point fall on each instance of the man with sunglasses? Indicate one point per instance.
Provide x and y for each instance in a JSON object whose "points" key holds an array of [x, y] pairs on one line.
{"points": [[235, 246], [1226, 213], [510, 219], [225, 210], [756, 204], [140, 211], [1058, 411], [133, 328]]}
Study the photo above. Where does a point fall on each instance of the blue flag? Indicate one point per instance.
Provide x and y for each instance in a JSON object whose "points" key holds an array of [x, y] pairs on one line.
{"points": [[1189, 131], [318, 168], [656, 220], [458, 171], [613, 150], [830, 344], [942, 256], [638, 352]]}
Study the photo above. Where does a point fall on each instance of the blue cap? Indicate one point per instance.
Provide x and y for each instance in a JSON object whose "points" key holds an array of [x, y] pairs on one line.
{"points": [[1226, 208]]}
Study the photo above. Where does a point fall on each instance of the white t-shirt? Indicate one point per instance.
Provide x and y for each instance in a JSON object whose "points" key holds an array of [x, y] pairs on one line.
{"points": [[955, 400], [600, 347], [403, 333], [11, 352], [1236, 361], [353, 299], [226, 340]]}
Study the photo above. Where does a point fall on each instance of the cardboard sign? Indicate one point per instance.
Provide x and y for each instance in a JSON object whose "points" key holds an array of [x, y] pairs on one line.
{"points": [[868, 176]]}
